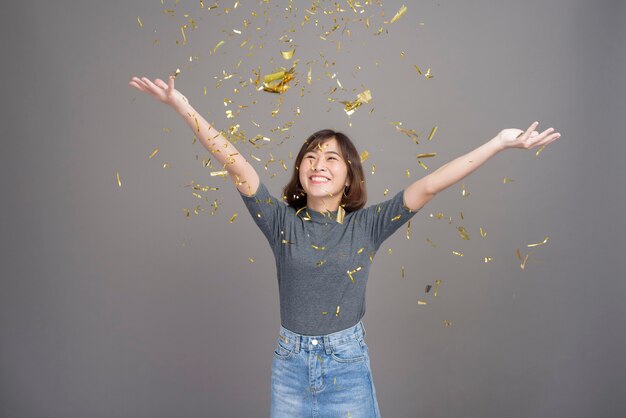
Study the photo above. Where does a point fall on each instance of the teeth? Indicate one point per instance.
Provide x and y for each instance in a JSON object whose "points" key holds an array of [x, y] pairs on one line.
{"points": [[319, 179]]}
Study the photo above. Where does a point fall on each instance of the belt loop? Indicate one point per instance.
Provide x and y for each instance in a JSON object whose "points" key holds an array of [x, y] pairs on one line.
{"points": [[297, 337], [327, 345], [363, 327]]}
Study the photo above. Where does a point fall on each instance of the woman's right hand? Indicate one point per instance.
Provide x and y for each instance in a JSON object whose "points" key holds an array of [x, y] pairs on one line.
{"points": [[165, 93]]}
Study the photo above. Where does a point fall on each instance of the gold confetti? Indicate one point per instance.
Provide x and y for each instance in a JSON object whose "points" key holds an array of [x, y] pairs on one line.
{"points": [[187, 213], [463, 233], [119, 182], [395, 218], [351, 272], [482, 232], [421, 302], [318, 248], [337, 311], [458, 253], [408, 229], [287, 55], [447, 322], [539, 151], [219, 173], [176, 72], [232, 218], [432, 133], [523, 265], [364, 156], [418, 70], [431, 243], [437, 284], [488, 259], [399, 14], [464, 192], [285, 241], [427, 75], [220, 43], [350, 107], [422, 164], [320, 263], [153, 153], [507, 180], [139, 20], [518, 254], [427, 155], [390, 251], [360, 250], [166, 165], [250, 259], [403, 272], [539, 243], [278, 82]]}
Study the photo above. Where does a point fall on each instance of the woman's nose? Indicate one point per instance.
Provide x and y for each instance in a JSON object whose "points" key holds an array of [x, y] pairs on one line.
{"points": [[318, 164]]}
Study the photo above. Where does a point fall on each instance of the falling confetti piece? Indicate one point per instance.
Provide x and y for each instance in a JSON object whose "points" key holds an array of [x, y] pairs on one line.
{"points": [[139, 20], [463, 233], [403, 272], [176, 73], [350, 107], [320, 263], [488, 259], [427, 155], [432, 133], [399, 14], [539, 243], [287, 55], [437, 284], [539, 151], [464, 192], [219, 173], [220, 43], [364, 156], [232, 219], [278, 82], [421, 302], [507, 180], [431, 243], [422, 165], [153, 153], [447, 323], [523, 265], [482, 232], [408, 230], [458, 253], [119, 182], [337, 311], [250, 259]]}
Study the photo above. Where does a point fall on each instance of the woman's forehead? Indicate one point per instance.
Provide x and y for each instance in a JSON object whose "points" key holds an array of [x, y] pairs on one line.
{"points": [[329, 144]]}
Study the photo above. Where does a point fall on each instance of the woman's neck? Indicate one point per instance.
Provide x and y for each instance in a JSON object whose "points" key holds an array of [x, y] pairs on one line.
{"points": [[323, 204]]}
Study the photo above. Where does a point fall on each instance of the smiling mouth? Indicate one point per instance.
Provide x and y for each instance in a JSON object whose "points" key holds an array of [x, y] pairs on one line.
{"points": [[319, 179]]}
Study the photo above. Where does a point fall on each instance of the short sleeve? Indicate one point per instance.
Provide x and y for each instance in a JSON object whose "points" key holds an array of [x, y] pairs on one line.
{"points": [[267, 212], [383, 219]]}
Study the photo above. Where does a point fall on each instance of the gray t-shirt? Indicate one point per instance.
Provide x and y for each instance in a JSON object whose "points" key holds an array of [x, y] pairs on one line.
{"points": [[323, 265]]}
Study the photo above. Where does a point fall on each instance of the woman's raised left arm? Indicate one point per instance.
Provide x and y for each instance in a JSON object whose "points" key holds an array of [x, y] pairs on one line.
{"points": [[423, 190]]}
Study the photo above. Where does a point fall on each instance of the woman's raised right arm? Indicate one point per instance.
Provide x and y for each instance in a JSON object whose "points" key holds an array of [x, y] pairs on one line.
{"points": [[240, 170]]}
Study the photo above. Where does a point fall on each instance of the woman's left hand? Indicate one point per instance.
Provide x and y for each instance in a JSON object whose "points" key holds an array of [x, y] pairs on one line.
{"points": [[516, 138]]}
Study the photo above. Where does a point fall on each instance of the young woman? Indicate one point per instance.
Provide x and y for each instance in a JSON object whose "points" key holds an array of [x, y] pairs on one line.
{"points": [[324, 242]]}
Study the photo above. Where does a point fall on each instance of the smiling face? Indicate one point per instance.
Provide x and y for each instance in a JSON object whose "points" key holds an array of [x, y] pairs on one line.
{"points": [[323, 173]]}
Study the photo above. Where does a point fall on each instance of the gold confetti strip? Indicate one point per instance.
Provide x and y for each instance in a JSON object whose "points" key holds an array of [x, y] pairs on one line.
{"points": [[427, 75], [139, 20], [219, 173], [507, 180], [364, 156], [408, 174], [324, 313], [408, 230], [119, 182], [153, 153], [166, 165], [399, 14], [318, 248], [427, 155], [421, 302], [431, 243], [360, 250], [432, 133], [447, 323], [463, 233], [539, 151], [523, 265], [539, 243], [187, 213], [250, 259], [464, 192], [373, 168], [337, 311], [176, 73], [278, 82], [462, 217], [350, 107], [286, 242], [320, 263], [390, 251], [422, 164], [482, 232], [403, 272], [488, 259], [220, 43], [232, 218], [287, 55], [351, 272], [458, 253], [395, 218], [197, 195], [418, 70], [437, 284], [385, 192], [518, 254]]}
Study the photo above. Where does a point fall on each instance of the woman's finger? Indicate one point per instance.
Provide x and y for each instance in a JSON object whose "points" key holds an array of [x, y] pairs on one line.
{"points": [[161, 83], [550, 138], [530, 129], [153, 87], [170, 82]]}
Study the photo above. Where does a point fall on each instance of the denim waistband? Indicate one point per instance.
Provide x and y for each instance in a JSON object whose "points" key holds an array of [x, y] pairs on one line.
{"points": [[322, 342]]}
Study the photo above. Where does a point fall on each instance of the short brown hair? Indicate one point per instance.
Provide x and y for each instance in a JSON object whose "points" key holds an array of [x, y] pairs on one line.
{"points": [[356, 194]]}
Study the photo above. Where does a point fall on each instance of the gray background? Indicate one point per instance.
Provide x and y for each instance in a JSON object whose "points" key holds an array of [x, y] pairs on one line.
{"points": [[114, 304]]}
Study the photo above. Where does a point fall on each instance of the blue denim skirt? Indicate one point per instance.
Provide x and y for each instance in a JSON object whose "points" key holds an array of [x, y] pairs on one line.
{"points": [[323, 376]]}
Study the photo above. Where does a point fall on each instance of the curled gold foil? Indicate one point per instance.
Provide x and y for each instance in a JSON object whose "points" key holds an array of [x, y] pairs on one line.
{"points": [[463, 233], [287, 55], [119, 182], [364, 156], [539, 243], [278, 82], [364, 97]]}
